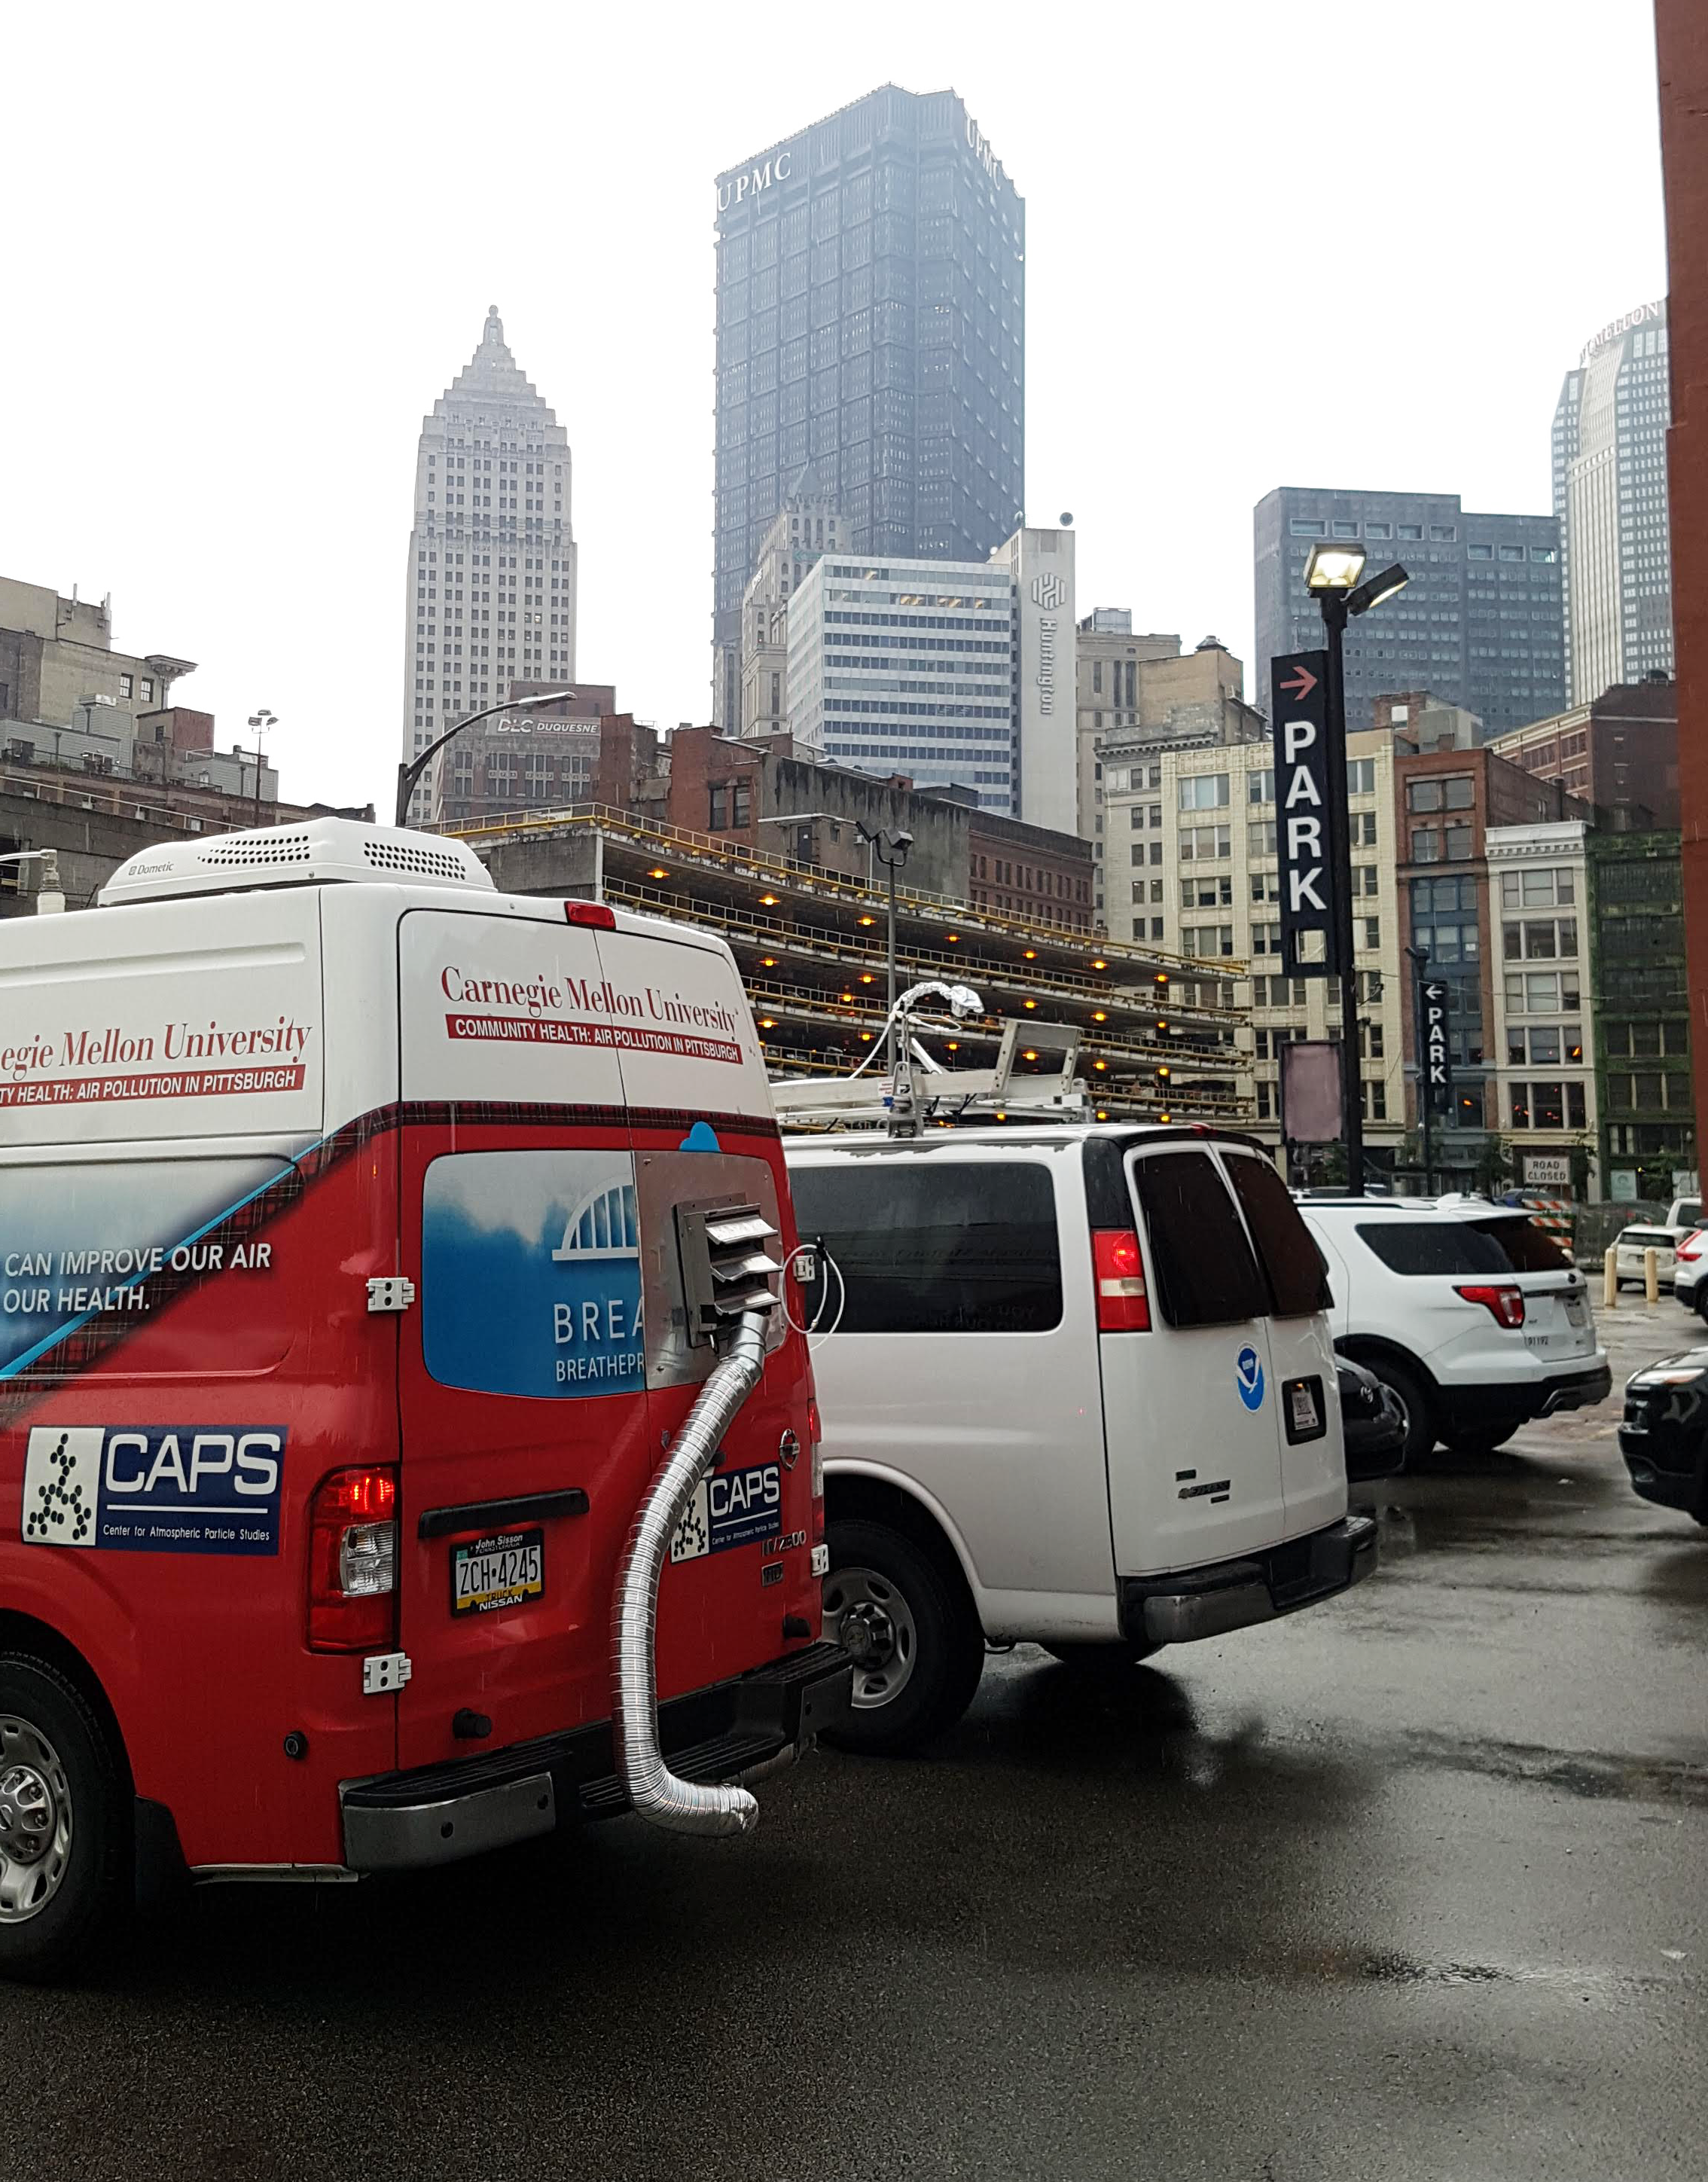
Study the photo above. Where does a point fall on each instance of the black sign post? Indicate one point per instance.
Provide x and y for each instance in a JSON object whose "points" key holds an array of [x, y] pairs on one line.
{"points": [[1436, 1058], [1304, 806]]}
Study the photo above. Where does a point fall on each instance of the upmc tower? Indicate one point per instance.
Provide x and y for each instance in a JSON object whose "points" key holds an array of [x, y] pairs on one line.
{"points": [[870, 322]]}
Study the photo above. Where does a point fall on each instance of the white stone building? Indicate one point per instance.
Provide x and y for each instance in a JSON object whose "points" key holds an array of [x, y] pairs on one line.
{"points": [[489, 603], [1544, 1028]]}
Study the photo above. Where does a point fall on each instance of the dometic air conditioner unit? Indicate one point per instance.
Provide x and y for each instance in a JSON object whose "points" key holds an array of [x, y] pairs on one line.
{"points": [[314, 852]]}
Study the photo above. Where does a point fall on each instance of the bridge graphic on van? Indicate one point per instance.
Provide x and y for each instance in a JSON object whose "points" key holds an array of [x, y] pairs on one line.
{"points": [[603, 1225]]}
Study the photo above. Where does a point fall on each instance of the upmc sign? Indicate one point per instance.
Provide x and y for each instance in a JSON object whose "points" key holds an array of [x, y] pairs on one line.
{"points": [[1303, 834], [1438, 1057]]}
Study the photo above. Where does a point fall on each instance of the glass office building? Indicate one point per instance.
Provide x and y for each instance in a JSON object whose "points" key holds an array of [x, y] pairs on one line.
{"points": [[870, 321]]}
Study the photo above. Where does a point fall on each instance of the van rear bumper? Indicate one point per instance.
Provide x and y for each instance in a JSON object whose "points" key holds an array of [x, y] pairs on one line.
{"points": [[1208, 1602], [734, 1731]]}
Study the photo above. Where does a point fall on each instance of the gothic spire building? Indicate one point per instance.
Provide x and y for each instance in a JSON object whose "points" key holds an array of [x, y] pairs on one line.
{"points": [[492, 553]]}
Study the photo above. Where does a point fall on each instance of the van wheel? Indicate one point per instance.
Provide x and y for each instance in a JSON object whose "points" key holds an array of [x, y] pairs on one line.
{"points": [[1408, 1390], [62, 1823], [918, 1652], [1103, 1658]]}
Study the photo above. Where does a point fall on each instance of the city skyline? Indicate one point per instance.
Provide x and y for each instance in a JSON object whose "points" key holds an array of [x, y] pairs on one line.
{"points": [[309, 318]]}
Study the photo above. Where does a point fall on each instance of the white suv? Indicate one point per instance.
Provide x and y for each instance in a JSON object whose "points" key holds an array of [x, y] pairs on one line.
{"points": [[1475, 1317]]}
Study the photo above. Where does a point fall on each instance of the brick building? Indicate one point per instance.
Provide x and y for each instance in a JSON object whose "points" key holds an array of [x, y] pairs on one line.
{"points": [[1446, 801], [1619, 753]]}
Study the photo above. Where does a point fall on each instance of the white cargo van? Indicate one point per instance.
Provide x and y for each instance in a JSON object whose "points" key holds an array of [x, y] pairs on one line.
{"points": [[1079, 1392]]}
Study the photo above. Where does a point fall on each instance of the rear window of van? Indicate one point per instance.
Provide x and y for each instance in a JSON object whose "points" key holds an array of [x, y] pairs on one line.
{"points": [[1420, 1247], [955, 1247]]}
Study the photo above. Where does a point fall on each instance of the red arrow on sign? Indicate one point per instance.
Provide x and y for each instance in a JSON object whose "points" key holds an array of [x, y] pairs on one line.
{"points": [[1302, 683]]}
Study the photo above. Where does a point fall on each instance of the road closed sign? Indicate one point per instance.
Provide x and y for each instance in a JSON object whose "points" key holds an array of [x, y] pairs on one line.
{"points": [[1302, 829]]}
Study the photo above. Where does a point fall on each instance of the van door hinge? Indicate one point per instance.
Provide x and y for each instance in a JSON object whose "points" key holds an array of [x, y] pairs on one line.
{"points": [[383, 1672], [390, 1292]]}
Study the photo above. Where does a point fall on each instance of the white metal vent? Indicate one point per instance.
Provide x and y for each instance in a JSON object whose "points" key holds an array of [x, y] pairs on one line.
{"points": [[312, 852], [272, 846], [419, 860]]}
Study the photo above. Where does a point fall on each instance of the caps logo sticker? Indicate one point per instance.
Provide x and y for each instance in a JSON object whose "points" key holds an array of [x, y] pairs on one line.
{"points": [[154, 1488], [1248, 1377]]}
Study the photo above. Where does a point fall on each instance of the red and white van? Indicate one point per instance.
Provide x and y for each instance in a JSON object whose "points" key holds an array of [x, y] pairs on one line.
{"points": [[350, 1308]]}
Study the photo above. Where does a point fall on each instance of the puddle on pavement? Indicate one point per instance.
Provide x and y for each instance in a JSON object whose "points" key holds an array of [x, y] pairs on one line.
{"points": [[1387, 1966]]}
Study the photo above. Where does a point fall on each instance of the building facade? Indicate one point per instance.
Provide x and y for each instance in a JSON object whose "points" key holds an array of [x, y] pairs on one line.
{"points": [[1447, 801], [1610, 496], [958, 673], [541, 759], [1641, 1020], [1481, 622], [870, 321], [806, 527], [490, 598], [1620, 754], [1542, 1050], [1125, 683], [58, 670], [1190, 863]]}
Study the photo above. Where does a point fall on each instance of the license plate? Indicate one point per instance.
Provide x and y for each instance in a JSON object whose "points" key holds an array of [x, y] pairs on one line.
{"points": [[1303, 1399], [506, 1569]]}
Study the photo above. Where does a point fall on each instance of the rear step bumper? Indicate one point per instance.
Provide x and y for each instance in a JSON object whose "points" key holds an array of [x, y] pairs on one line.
{"points": [[735, 1730], [1208, 1602]]}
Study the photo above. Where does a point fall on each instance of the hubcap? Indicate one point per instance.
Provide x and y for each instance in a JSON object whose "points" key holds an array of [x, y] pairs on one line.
{"points": [[874, 1624], [34, 1820]]}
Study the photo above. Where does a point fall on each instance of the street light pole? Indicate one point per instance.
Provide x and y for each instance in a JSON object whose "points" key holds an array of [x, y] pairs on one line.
{"points": [[1331, 576], [411, 770], [261, 722], [1420, 964], [1333, 606], [891, 850]]}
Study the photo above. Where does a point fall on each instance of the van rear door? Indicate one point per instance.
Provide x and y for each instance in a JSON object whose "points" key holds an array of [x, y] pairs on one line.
{"points": [[1194, 1448]]}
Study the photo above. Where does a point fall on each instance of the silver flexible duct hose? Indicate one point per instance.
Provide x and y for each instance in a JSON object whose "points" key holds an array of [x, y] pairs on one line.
{"points": [[683, 1805]]}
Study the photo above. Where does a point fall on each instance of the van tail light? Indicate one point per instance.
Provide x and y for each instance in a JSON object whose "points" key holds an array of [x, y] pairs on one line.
{"points": [[1506, 1306], [1123, 1306], [596, 915], [352, 1561], [815, 1440]]}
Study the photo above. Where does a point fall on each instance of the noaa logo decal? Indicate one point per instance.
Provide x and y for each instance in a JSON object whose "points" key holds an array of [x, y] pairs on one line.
{"points": [[1248, 1377]]}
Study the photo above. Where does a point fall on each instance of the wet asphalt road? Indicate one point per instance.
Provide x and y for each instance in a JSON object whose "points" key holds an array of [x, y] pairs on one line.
{"points": [[1414, 1885]]}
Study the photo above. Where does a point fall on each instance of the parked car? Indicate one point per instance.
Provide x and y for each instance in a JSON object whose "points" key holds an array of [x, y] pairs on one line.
{"points": [[1664, 1434], [1080, 1391], [1689, 1263], [1372, 1422], [1630, 1245], [1473, 1317], [1683, 1214]]}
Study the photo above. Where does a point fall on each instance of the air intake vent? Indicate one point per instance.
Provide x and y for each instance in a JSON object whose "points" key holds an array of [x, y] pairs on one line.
{"points": [[418, 861], [249, 851], [726, 1267]]}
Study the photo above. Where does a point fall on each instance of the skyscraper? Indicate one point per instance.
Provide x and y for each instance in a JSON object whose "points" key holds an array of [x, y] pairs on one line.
{"points": [[870, 321], [491, 555], [1610, 496], [1480, 623]]}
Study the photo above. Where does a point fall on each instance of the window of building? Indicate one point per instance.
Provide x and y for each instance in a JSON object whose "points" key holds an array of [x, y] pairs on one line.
{"points": [[1543, 992], [1547, 1104], [1306, 526], [1343, 529], [1260, 839], [1479, 552], [1203, 844], [126, 686], [1260, 787], [1512, 552], [1206, 938], [1457, 841], [147, 689], [1426, 844], [1379, 530], [1450, 791], [1204, 791], [1536, 890], [1409, 530], [1361, 776], [1539, 940]]}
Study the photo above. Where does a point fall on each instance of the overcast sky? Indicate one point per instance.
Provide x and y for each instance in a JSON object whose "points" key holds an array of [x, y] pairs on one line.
{"points": [[1267, 244]]}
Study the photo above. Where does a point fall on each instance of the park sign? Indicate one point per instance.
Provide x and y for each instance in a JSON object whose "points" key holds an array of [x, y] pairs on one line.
{"points": [[1438, 1056], [1303, 834]]}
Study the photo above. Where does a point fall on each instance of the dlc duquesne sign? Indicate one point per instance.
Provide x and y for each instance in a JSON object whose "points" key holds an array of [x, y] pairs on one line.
{"points": [[1302, 835]]}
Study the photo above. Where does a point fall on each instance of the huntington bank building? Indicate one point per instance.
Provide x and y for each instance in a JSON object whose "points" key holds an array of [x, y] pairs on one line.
{"points": [[870, 328]]}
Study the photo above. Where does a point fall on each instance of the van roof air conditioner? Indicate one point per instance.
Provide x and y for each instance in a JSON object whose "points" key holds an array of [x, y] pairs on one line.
{"points": [[315, 851]]}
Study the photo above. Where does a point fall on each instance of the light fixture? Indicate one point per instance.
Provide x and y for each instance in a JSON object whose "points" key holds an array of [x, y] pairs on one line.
{"points": [[869, 920], [865, 1038], [952, 937], [1102, 1115], [767, 1022], [847, 996], [767, 961], [1165, 1117], [767, 901], [955, 1045], [1334, 568], [1031, 954], [658, 872], [866, 977], [1098, 963], [1030, 1004], [1100, 1064], [1100, 1015], [1374, 589], [1029, 1055]]}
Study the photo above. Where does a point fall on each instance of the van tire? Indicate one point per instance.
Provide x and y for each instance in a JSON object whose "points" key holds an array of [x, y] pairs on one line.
{"points": [[1103, 1658], [893, 1594], [58, 1761], [1415, 1399]]}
